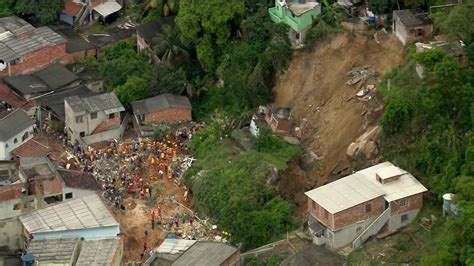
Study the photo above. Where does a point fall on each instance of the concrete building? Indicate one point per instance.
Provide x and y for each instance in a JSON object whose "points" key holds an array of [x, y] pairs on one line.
{"points": [[25, 49], [76, 251], [86, 217], [410, 27], [79, 12], [297, 14], [350, 210], [168, 251], [164, 108], [95, 118], [78, 184], [16, 128]]}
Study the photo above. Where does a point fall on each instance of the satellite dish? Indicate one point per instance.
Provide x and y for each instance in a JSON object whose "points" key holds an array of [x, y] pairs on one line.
{"points": [[2, 65]]}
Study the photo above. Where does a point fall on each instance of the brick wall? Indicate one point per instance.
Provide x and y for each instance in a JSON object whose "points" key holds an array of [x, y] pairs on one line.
{"points": [[106, 124], [411, 34], [412, 203], [172, 115], [70, 58], [37, 60], [358, 213], [320, 213]]}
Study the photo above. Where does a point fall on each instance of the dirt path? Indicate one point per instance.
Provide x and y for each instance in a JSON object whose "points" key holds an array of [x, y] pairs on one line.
{"points": [[314, 86]]}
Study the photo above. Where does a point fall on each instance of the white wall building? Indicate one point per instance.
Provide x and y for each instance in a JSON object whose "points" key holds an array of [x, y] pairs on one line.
{"points": [[15, 129]]}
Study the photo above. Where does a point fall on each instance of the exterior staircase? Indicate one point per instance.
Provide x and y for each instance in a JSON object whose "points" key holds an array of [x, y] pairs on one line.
{"points": [[83, 14], [372, 229]]}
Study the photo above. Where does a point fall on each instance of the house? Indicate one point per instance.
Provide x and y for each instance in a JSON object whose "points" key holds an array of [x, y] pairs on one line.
{"points": [[25, 49], [164, 108], [106, 11], [410, 27], [350, 210], [76, 251], [147, 32], [73, 11], [455, 49], [78, 184], [95, 118], [85, 217], [297, 14], [16, 128], [31, 148], [192, 252], [79, 12], [89, 78], [278, 119]]}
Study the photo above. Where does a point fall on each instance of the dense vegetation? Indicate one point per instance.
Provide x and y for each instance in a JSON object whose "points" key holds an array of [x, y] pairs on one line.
{"points": [[427, 129], [229, 184], [37, 11]]}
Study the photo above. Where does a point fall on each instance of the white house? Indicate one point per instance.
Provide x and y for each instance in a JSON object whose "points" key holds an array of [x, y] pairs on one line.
{"points": [[16, 128]]}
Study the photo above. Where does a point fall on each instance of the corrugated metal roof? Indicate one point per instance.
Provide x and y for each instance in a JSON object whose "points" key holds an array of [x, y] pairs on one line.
{"points": [[56, 250], [363, 186], [160, 102], [107, 102], [107, 8], [98, 251], [14, 123], [174, 246], [206, 253], [83, 213], [24, 38]]}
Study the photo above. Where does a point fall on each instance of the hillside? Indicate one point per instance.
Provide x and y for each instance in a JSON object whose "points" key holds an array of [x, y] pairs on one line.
{"points": [[315, 80]]}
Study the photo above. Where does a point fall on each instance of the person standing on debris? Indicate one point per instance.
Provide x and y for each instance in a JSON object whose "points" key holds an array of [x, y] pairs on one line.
{"points": [[191, 218], [152, 218]]}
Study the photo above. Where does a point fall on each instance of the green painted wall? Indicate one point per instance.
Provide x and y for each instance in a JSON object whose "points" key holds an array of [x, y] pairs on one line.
{"points": [[281, 14]]}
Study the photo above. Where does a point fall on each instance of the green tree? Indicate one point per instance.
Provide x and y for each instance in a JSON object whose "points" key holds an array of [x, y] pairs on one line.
{"points": [[457, 23], [380, 7], [168, 46], [43, 11], [6, 7], [134, 89], [168, 80], [209, 24]]}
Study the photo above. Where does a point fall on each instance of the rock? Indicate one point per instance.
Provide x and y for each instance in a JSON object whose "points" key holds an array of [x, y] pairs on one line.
{"points": [[300, 198], [273, 176], [291, 140], [353, 150], [365, 145], [369, 149]]}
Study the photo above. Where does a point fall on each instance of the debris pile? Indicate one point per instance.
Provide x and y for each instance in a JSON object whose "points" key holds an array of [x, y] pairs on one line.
{"points": [[362, 77]]}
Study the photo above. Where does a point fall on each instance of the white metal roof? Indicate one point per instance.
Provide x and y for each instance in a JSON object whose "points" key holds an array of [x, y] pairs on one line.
{"points": [[174, 246], [363, 186], [107, 8], [83, 213]]}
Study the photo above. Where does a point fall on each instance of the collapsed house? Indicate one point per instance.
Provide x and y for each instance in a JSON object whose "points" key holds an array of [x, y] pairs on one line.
{"points": [[278, 119], [348, 211], [454, 49]]}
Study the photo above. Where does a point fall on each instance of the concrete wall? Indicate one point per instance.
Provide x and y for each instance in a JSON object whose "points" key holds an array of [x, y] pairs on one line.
{"points": [[107, 135], [171, 115], [396, 222], [110, 231], [11, 234], [409, 35], [345, 236], [77, 193], [5, 151]]}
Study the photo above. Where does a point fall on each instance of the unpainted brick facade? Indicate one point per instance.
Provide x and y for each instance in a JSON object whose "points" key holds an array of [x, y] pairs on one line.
{"points": [[349, 216], [107, 124], [36, 60], [407, 204], [233, 260], [171, 115]]}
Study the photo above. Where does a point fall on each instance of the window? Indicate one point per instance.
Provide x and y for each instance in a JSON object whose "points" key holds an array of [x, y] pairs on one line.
{"points": [[6, 145], [79, 119], [326, 214], [69, 195], [111, 116], [17, 206], [359, 228], [404, 218], [94, 115], [15, 140], [419, 32], [368, 208], [82, 134], [403, 203], [25, 136]]}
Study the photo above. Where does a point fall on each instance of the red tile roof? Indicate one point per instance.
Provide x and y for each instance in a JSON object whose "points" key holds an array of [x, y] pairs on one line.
{"points": [[7, 95], [71, 8], [32, 148]]}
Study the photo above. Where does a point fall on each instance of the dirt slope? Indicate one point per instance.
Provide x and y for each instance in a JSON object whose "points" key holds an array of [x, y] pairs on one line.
{"points": [[315, 80]]}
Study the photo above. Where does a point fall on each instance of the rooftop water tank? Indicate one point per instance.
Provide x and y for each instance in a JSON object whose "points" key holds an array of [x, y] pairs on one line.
{"points": [[28, 259]]}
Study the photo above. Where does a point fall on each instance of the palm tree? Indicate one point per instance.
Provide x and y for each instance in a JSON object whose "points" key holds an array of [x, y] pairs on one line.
{"points": [[165, 7], [168, 46]]}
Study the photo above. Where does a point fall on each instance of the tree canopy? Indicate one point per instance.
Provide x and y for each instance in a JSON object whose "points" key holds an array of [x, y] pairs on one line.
{"points": [[209, 24], [457, 23], [38, 11]]}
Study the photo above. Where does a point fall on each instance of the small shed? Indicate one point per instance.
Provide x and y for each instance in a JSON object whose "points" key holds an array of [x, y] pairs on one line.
{"points": [[410, 27], [164, 108]]}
